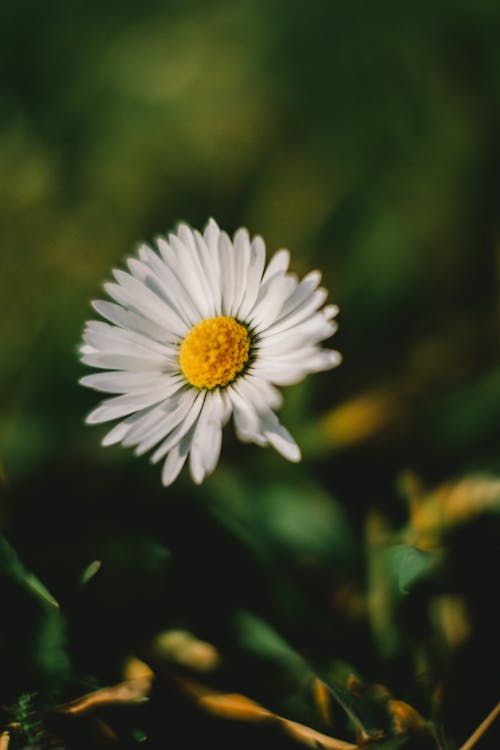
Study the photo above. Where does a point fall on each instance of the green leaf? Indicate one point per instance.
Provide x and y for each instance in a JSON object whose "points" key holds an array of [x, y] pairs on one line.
{"points": [[11, 565], [409, 565], [90, 571]]}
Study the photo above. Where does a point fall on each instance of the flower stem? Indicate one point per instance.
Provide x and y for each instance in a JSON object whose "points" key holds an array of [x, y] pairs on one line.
{"points": [[478, 733]]}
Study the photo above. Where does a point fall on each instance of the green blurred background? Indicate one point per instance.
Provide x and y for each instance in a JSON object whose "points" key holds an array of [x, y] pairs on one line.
{"points": [[364, 137]]}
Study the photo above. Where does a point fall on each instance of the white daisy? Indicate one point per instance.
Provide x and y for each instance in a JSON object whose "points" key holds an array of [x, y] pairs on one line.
{"points": [[201, 329]]}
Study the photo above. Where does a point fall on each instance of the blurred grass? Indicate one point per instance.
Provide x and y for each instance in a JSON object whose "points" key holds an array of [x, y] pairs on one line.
{"points": [[365, 137]]}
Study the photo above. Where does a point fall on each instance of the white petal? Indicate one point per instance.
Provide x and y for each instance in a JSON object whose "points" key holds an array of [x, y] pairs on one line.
{"points": [[282, 375], [307, 333], [115, 435], [169, 275], [302, 293], [246, 419], [162, 420], [278, 265], [300, 313], [279, 437], [164, 285], [180, 430], [124, 362], [241, 252], [176, 459], [270, 301], [211, 270], [120, 406], [108, 338], [119, 431], [129, 320], [121, 381], [207, 437], [254, 276], [137, 297], [267, 392], [330, 311], [191, 273], [227, 272]]}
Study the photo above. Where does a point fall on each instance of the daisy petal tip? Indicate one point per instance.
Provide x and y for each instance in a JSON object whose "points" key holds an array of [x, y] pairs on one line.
{"points": [[167, 480], [212, 224], [336, 358]]}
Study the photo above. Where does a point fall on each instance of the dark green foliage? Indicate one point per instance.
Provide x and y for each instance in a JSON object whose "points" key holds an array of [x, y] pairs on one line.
{"points": [[355, 593]]}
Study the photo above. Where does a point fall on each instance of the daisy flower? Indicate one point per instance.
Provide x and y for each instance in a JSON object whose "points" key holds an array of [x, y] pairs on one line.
{"points": [[201, 329]]}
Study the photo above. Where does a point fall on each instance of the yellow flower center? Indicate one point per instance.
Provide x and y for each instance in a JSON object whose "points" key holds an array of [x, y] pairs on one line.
{"points": [[214, 352]]}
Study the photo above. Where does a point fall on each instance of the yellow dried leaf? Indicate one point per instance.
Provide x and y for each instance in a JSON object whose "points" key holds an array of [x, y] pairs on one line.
{"points": [[135, 669], [185, 649], [450, 504], [405, 718], [323, 699], [359, 419], [240, 708], [134, 691]]}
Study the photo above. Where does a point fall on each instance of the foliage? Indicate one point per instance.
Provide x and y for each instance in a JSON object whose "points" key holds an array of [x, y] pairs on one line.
{"points": [[348, 599]]}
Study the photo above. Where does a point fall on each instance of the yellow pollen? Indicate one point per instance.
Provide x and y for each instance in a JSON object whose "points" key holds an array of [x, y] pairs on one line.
{"points": [[214, 352]]}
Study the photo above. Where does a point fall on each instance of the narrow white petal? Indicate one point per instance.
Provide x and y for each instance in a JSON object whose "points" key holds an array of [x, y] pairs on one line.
{"points": [[279, 437], [120, 406], [121, 381], [246, 420], [108, 338], [123, 362], [137, 297], [267, 392], [191, 273], [241, 252], [163, 285], [163, 418], [207, 439], [271, 299], [168, 273], [210, 266], [181, 429], [128, 320], [227, 271], [330, 311], [264, 423], [307, 333], [254, 276], [119, 431], [302, 312], [302, 293], [176, 459], [278, 265], [211, 237], [115, 435]]}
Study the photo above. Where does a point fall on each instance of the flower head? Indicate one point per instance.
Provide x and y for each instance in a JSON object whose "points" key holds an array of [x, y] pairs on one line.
{"points": [[200, 330]]}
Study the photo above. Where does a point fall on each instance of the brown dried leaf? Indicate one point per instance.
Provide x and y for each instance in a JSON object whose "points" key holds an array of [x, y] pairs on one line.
{"points": [[133, 691], [311, 738], [185, 649], [450, 504], [236, 707], [323, 699], [405, 718]]}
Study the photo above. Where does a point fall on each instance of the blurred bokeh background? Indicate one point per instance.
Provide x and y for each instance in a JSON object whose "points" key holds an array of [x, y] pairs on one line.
{"points": [[364, 137]]}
